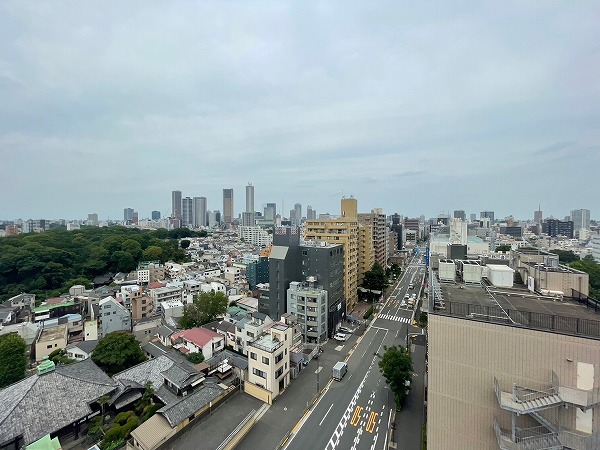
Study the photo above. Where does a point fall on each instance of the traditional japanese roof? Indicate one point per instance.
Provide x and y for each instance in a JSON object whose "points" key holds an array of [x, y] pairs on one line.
{"points": [[177, 412], [42, 404]]}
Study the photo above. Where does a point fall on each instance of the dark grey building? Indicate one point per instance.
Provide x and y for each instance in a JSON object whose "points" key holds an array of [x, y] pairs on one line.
{"points": [[326, 265], [284, 267], [555, 227], [512, 231], [460, 214], [155, 215]]}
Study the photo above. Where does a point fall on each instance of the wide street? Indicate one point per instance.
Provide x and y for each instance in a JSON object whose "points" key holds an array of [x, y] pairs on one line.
{"points": [[356, 412]]}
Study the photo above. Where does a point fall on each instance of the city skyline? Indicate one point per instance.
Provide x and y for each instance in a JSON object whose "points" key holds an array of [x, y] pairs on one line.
{"points": [[405, 107]]}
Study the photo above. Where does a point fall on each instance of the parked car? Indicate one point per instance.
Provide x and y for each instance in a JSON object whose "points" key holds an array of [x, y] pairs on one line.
{"points": [[346, 330], [340, 337], [411, 286]]}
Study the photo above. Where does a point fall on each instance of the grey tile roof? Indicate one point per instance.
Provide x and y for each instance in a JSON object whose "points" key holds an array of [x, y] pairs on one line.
{"points": [[188, 405], [232, 358], [180, 376], [150, 370], [165, 331], [85, 346], [39, 405]]}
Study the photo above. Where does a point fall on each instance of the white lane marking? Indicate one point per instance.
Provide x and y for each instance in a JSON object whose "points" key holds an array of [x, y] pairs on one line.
{"points": [[325, 414]]}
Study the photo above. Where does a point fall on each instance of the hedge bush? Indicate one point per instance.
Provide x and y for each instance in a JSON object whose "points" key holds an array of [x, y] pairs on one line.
{"points": [[368, 313]]}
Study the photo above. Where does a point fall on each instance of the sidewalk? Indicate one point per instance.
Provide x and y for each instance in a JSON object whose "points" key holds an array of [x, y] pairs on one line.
{"points": [[289, 407]]}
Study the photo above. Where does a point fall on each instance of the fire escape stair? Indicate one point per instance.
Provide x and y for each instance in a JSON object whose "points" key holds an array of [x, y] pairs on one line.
{"points": [[533, 439]]}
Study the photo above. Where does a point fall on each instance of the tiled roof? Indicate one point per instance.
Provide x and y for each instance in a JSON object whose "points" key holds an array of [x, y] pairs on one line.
{"points": [[43, 404], [197, 336], [188, 405], [84, 346], [147, 371], [181, 377]]}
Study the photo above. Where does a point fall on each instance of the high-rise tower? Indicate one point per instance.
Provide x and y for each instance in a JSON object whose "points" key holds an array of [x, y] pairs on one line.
{"points": [[227, 206], [176, 204]]}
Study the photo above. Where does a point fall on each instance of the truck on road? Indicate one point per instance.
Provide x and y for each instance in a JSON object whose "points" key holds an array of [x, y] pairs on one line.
{"points": [[339, 370]]}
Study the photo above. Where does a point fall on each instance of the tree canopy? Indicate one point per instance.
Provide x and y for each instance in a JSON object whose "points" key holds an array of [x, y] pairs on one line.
{"points": [[50, 263], [117, 351], [375, 278], [396, 367], [503, 248], [566, 256], [13, 359], [207, 306], [592, 268]]}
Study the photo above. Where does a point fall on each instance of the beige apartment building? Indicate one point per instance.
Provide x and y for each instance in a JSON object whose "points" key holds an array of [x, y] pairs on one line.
{"points": [[269, 362], [511, 371], [365, 252], [343, 230], [377, 221]]}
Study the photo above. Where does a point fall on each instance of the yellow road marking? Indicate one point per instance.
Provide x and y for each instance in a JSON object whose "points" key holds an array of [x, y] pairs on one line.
{"points": [[356, 416], [371, 422]]}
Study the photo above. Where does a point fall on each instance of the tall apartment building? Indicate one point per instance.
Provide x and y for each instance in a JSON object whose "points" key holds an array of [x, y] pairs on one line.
{"points": [[199, 212], [344, 231], [176, 204], [487, 215], [511, 370], [284, 267], [324, 263], [128, 215], [581, 219], [460, 214], [250, 198], [155, 215], [376, 219], [309, 304], [311, 214], [555, 227], [297, 214], [228, 206], [187, 206], [366, 253], [270, 211]]}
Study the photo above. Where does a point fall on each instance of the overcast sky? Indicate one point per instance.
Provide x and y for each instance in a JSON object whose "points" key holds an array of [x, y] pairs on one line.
{"points": [[414, 107]]}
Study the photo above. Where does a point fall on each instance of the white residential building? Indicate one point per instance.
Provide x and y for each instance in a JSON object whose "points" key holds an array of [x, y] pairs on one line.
{"points": [[112, 317], [596, 247], [309, 305], [269, 362], [255, 235]]}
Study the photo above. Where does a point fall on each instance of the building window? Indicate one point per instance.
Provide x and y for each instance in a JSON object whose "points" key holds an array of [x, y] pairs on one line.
{"points": [[259, 373], [265, 360], [49, 346], [279, 357], [279, 372], [253, 355]]}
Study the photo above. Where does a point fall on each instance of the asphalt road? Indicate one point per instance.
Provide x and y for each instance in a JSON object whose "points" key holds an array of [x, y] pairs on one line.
{"points": [[356, 412]]}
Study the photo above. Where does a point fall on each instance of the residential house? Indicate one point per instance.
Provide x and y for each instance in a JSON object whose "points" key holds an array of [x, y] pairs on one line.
{"points": [[198, 340], [164, 334], [50, 339], [80, 350], [247, 330], [145, 329], [269, 362], [112, 317], [56, 400]]}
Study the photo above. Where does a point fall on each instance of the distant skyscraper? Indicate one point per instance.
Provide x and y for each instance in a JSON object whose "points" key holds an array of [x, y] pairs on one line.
{"points": [[199, 212], [135, 218], [155, 215], [218, 217], [128, 215], [228, 206], [297, 214], [537, 215], [311, 214], [270, 211], [92, 220], [176, 204], [581, 219], [460, 214], [473, 217], [187, 219], [487, 215], [250, 198]]}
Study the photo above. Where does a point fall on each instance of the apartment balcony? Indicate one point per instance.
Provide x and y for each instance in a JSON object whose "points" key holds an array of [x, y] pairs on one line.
{"points": [[524, 400], [536, 438], [312, 323]]}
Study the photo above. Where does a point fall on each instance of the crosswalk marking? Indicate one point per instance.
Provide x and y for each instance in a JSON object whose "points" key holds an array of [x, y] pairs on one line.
{"points": [[394, 318]]}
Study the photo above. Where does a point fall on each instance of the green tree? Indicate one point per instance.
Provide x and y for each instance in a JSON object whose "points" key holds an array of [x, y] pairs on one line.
{"points": [[375, 278], [195, 358], [396, 367], [566, 256], [152, 253], [13, 359], [503, 248], [592, 268], [207, 306], [117, 351], [185, 243]]}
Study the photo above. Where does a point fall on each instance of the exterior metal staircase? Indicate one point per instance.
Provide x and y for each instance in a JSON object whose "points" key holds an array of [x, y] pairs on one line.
{"points": [[538, 438], [525, 400]]}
